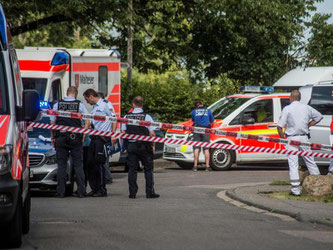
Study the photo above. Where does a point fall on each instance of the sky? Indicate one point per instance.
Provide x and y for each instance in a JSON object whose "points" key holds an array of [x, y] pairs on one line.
{"points": [[326, 7]]}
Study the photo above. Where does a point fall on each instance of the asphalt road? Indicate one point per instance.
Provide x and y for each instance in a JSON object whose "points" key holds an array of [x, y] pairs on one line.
{"points": [[188, 215]]}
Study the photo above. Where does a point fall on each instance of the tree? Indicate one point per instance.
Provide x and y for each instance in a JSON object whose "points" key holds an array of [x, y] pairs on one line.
{"points": [[319, 50]]}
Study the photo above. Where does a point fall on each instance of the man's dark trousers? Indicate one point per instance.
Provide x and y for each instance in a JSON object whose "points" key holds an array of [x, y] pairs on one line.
{"points": [[73, 147], [138, 151], [96, 161]]}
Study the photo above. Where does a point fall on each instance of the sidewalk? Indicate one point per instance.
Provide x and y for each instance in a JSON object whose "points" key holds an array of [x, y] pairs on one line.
{"points": [[314, 212]]}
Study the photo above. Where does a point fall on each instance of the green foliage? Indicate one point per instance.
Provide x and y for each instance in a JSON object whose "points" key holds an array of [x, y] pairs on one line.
{"points": [[320, 44], [170, 96]]}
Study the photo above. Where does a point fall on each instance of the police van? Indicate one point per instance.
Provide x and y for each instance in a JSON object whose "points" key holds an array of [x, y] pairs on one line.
{"points": [[17, 106], [255, 113]]}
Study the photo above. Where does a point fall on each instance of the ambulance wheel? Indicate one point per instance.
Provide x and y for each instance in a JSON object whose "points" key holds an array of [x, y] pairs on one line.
{"points": [[26, 214], [185, 165], [221, 159], [12, 232]]}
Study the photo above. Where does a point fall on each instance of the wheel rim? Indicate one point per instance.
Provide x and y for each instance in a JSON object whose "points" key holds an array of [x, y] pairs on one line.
{"points": [[221, 158]]}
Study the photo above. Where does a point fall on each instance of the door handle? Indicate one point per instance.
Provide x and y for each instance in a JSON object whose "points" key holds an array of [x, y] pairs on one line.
{"points": [[272, 126]]}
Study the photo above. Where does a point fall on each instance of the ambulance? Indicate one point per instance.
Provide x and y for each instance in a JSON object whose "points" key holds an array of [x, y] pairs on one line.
{"points": [[51, 71], [17, 106], [255, 112]]}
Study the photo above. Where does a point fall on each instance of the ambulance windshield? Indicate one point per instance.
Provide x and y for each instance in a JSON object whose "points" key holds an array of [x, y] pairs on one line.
{"points": [[226, 106], [4, 109], [38, 84]]}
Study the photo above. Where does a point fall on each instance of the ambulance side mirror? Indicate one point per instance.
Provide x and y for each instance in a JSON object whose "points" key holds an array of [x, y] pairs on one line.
{"points": [[30, 106]]}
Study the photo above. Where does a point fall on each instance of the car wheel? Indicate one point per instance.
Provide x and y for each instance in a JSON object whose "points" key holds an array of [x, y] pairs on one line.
{"points": [[12, 232], [26, 214], [185, 165], [221, 159]]}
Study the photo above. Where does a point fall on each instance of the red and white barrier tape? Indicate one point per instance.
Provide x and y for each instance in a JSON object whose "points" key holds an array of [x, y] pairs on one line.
{"points": [[177, 141], [313, 146]]}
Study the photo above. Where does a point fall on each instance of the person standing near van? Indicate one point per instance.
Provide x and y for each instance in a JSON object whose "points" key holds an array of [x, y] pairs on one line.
{"points": [[69, 143], [96, 152], [108, 176], [201, 117], [298, 118]]}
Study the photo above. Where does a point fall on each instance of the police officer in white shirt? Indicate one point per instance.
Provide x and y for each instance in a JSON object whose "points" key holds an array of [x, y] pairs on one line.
{"points": [[96, 153], [298, 118]]}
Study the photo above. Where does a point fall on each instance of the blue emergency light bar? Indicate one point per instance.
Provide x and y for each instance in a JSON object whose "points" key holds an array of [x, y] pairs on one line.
{"points": [[60, 58], [3, 28], [44, 105], [257, 89]]}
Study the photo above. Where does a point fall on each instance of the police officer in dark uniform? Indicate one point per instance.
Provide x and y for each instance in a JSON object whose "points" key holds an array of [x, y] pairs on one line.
{"points": [[96, 152], [140, 151], [69, 143]]}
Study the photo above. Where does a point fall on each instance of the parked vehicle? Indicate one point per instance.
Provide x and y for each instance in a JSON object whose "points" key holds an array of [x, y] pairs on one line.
{"points": [[299, 77], [51, 71], [320, 98], [256, 114], [16, 108]]}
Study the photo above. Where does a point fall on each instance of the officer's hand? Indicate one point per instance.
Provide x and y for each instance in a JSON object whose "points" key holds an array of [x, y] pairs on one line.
{"points": [[113, 141], [153, 147], [53, 142]]}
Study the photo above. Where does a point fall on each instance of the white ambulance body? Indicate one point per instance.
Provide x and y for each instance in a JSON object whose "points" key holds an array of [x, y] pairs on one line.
{"points": [[52, 70]]}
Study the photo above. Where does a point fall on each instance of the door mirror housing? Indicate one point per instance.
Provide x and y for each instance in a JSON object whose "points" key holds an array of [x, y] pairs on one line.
{"points": [[30, 106]]}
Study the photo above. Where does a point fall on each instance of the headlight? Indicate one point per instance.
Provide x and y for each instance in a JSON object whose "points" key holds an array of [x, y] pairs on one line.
{"points": [[51, 160], [5, 159], [190, 137]]}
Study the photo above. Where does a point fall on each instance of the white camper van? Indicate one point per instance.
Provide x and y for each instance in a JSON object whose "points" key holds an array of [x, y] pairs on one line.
{"points": [[299, 77]]}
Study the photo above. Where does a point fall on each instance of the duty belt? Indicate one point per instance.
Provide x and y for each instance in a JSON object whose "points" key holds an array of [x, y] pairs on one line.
{"points": [[308, 135]]}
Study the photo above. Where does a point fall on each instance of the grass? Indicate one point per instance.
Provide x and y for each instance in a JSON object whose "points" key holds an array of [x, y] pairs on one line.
{"points": [[303, 197], [280, 182]]}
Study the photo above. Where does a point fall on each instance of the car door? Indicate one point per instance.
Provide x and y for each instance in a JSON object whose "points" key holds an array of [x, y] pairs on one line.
{"points": [[258, 119]]}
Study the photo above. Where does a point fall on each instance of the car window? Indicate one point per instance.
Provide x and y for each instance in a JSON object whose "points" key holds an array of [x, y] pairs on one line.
{"points": [[284, 102], [38, 84], [226, 106], [261, 111], [322, 99]]}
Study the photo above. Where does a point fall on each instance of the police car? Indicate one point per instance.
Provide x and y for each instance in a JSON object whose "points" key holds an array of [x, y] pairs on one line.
{"points": [[255, 112]]}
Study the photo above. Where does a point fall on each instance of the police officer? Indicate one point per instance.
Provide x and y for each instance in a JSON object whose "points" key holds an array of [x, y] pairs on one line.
{"points": [[108, 176], [201, 117], [298, 118], [140, 150], [69, 143], [96, 153]]}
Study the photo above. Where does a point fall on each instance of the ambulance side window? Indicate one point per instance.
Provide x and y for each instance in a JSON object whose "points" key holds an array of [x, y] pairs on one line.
{"points": [[103, 80], [261, 111], [55, 91]]}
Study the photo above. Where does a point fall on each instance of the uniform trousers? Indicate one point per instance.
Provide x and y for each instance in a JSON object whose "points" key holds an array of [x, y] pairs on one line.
{"points": [[293, 163], [64, 147], [138, 151], [96, 161]]}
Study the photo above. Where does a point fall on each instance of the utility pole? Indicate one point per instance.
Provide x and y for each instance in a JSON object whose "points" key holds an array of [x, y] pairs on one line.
{"points": [[130, 42]]}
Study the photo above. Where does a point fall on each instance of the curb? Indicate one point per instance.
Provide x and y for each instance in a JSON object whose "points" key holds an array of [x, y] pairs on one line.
{"points": [[302, 217]]}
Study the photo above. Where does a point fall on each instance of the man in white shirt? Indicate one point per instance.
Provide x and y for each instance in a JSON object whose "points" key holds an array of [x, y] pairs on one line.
{"points": [[298, 118]]}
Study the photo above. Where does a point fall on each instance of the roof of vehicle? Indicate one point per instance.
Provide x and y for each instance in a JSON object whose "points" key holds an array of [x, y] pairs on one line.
{"points": [[303, 76], [260, 96]]}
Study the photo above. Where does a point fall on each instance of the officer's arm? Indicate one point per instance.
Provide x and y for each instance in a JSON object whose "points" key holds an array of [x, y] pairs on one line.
{"points": [[312, 123], [152, 133], [281, 133]]}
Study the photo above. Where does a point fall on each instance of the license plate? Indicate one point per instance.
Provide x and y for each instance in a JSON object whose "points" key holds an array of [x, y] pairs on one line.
{"points": [[31, 174], [170, 150]]}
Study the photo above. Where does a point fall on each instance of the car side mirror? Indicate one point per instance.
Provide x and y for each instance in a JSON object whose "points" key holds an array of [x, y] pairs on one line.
{"points": [[30, 106]]}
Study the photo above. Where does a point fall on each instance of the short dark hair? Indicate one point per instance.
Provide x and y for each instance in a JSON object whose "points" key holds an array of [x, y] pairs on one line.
{"points": [[90, 92], [138, 101], [101, 95], [198, 103]]}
